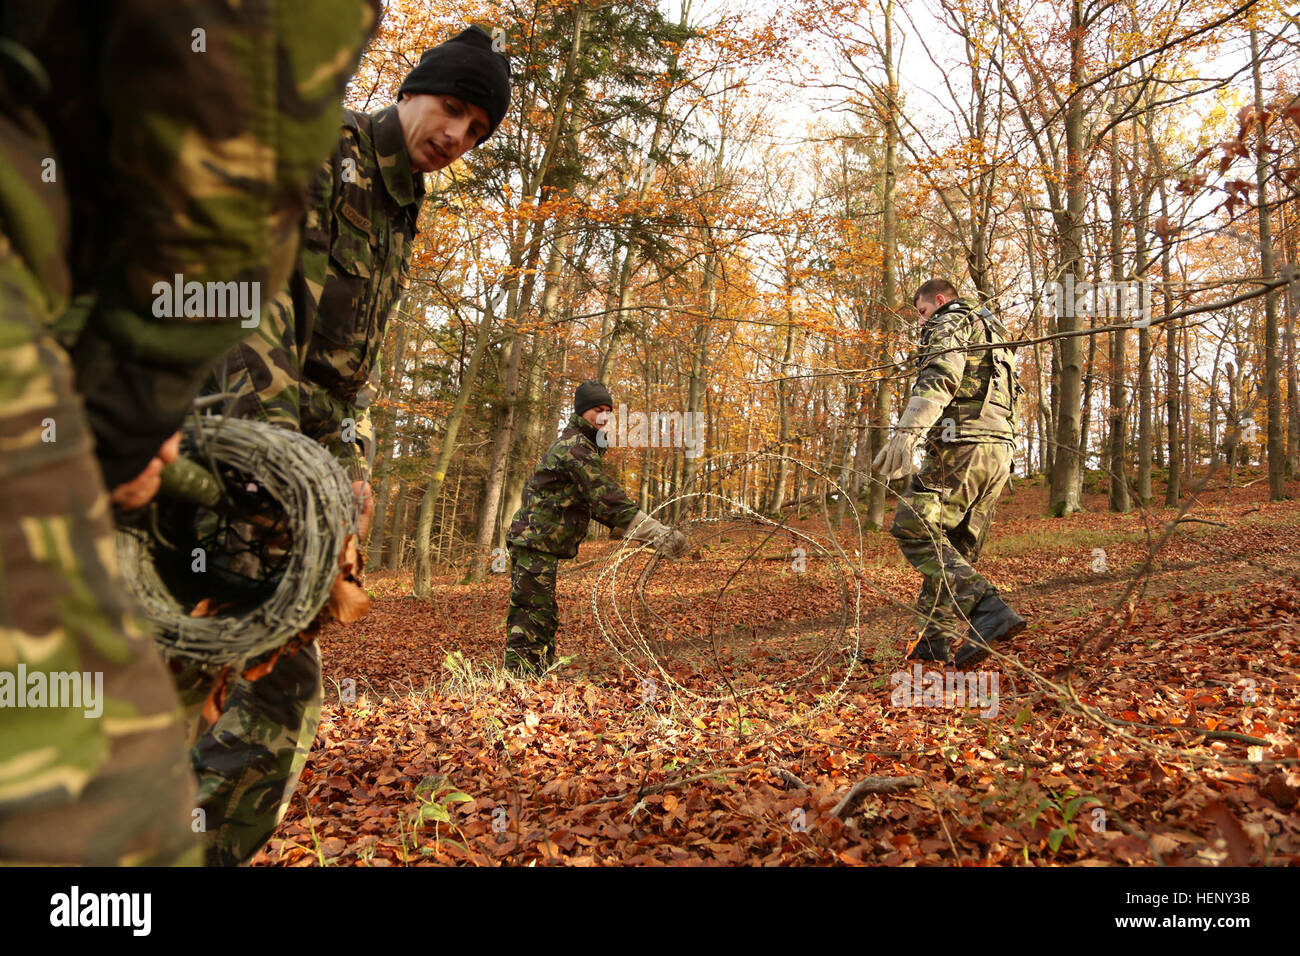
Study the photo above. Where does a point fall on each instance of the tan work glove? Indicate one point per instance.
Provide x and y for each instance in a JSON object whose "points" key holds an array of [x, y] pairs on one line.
{"points": [[895, 459], [666, 541]]}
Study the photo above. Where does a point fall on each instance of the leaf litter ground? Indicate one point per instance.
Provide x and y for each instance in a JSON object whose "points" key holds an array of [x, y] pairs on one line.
{"points": [[1173, 740]]}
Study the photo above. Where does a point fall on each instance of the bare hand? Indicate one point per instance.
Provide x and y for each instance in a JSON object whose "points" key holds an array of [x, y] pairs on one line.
{"points": [[139, 491], [365, 507]]}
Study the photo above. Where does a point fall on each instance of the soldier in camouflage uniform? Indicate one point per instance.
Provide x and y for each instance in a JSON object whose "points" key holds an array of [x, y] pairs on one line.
{"points": [[963, 403], [311, 367], [567, 491], [139, 140]]}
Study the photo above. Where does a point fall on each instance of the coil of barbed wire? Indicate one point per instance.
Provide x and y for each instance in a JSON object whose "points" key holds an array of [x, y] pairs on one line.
{"points": [[258, 554], [805, 572]]}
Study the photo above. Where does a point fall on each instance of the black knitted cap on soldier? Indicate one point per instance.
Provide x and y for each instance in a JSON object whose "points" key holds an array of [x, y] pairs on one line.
{"points": [[467, 68], [591, 395]]}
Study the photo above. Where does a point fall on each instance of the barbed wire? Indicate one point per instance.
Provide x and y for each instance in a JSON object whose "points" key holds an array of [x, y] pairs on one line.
{"points": [[639, 632], [273, 541]]}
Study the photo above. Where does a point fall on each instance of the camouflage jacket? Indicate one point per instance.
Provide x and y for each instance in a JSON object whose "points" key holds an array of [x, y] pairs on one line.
{"points": [[313, 364], [569, 489], [978, 387], [171, 155]]}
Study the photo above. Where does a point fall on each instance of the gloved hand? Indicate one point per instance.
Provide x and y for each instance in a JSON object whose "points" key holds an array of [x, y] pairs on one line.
{"points": [[895, 459], [674, 544], [666, 541]]}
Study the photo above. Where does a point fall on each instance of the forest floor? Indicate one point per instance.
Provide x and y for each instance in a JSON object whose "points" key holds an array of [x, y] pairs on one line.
{"points": [[750, 710]]}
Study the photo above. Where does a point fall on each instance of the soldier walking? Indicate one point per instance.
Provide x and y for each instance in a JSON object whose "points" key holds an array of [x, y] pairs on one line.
{"points": [[568, 490], [963, 405]]}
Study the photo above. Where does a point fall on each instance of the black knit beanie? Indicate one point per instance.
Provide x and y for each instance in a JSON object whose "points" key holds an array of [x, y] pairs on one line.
{"points": [[467, 68], [591, 395]]}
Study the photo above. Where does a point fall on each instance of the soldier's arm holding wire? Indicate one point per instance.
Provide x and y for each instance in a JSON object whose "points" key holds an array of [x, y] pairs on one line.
{"points": [[942, 362], [345, 429], [267, 368], [611, 506]]}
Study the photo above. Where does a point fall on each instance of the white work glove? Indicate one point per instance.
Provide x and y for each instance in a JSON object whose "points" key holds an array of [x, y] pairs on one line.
{"points": [[674, 544], [666, 541], [895, 459]]}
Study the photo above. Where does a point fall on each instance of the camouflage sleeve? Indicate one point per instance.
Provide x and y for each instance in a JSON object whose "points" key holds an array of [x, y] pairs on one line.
{"points": [[360, 464], [263, 372], [610, 504], [219, 116], [267, 367], [343, 427], [942, 359]]}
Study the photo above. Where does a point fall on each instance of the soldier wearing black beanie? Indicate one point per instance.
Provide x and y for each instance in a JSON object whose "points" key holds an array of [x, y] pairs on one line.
{"points": [[569, 489], [357, 237], [591, 394]]}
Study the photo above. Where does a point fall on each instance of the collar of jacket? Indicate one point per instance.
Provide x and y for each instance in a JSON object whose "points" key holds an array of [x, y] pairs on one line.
{"points": [[587, 428], [961, 304], [404, 184]]}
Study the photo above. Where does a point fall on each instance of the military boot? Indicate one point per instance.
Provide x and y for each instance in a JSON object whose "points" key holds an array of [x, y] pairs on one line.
{"points": [[526, 662], [932, 647], [992, 620]]}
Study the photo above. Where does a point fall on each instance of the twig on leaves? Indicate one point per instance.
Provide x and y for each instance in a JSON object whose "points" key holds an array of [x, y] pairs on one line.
{"points": [[786, 777], [669, 784], [871, 785]]}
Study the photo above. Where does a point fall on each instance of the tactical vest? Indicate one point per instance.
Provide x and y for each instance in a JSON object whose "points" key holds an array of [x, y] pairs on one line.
{"points": [[984, 406]]}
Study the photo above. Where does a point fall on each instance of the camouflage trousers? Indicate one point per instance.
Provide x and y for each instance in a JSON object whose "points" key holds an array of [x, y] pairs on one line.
{"points": [[533, 616], [103, 781], [941, 523], [248, 762]]}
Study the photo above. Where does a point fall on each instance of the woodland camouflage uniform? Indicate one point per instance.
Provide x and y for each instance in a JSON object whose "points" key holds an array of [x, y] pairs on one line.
{"points": [[944, 515], [569, 489], [313, 366], [145, 158], [309, 367]]}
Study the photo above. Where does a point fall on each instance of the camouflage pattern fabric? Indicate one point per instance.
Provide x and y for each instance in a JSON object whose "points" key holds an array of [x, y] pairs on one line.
{"points": [[176, 161], [569, 489], [250, 759], [945, 513], [941, 523], [978, 387], [533, 615], [182, 155], [313, 365], [77, 786]]}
